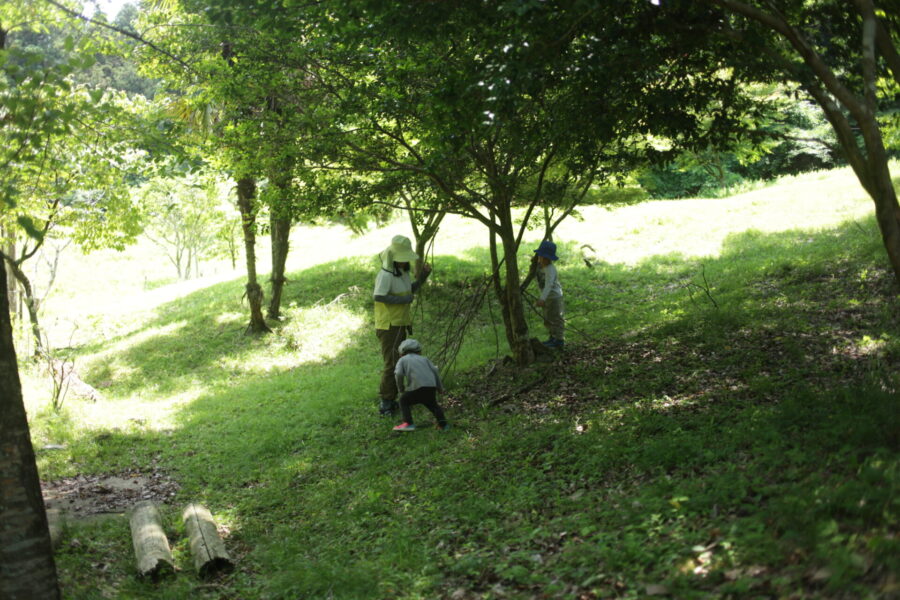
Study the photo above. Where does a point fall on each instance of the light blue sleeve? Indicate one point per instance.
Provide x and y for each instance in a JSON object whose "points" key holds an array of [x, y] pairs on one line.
{"points": [[550, 277]]}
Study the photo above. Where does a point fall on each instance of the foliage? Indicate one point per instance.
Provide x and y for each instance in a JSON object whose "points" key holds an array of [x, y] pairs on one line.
{"points": [[792, 137], [492, 111], [846, 57], [69, 149]]}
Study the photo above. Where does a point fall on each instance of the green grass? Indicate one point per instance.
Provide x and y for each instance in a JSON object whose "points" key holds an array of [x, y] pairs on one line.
{"points": [[724, 423]]}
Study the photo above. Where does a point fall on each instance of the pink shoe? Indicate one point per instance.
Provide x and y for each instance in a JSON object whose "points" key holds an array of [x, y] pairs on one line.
{"points": [[405, 427]]}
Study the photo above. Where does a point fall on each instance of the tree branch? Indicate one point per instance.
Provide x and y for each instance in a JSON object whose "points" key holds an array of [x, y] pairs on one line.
{"points": [[120, 31], [779, 24]]}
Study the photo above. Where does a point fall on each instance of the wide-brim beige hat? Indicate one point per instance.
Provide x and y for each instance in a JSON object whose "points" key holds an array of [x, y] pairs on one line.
{"points": [[400, 250]]}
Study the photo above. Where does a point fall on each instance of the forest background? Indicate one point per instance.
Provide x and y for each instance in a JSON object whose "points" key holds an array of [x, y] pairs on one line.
{"points": [[196, 128]]}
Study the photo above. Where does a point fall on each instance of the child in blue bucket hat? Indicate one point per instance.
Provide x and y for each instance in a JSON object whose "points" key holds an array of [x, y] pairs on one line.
{"points": [[551, 298]]}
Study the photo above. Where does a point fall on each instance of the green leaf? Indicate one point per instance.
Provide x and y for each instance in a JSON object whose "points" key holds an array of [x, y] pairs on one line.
{"points": [[69, 44], [30, 228]]}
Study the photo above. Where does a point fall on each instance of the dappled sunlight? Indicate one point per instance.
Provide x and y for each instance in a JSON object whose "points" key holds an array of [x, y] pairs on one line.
{"points": [[649, 458], [316, 334], [865, 346], [143, 337], [321, 333], [229, 318], [146, 412]]}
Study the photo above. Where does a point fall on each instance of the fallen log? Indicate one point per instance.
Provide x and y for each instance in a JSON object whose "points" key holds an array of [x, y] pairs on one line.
{"points": [[207, 548], [154, 558]]}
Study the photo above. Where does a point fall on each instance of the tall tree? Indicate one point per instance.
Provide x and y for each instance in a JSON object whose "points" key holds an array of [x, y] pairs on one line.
{"points": [[246, 202], [486, 101], [251, 138], [844, 54], [27, 569]]}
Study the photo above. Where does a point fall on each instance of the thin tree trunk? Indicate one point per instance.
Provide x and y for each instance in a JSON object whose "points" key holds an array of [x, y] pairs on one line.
{"points": [[499, 290], [246, 192], [280, 233], [424, 236], [520, 339], [27, 569], [30, 304], [509, 293], [12, 291]]}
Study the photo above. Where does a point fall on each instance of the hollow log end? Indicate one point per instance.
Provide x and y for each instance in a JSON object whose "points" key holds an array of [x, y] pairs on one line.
{"points": [[155, 571], [216, 566]]}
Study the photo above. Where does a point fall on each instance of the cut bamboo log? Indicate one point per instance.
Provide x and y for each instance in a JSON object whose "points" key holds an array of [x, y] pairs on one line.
{"points": [[207, 548], [154, 558]]}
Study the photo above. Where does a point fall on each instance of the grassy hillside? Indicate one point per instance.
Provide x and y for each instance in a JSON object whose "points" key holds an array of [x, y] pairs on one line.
{"points": [[724, 422]]}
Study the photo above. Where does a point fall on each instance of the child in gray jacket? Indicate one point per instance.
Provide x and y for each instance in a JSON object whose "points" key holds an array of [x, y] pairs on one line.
{"points": [[422, 382]]}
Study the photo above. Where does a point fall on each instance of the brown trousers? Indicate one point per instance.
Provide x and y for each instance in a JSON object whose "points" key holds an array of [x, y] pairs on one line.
{"points": [[390, 351]]}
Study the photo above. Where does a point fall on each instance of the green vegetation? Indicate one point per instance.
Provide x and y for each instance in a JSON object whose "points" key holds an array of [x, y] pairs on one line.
{"points": [[724, 423]]}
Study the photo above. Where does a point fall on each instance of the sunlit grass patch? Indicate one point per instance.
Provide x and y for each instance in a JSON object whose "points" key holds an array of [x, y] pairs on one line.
{"points": [[321, 332], [230, 318]]}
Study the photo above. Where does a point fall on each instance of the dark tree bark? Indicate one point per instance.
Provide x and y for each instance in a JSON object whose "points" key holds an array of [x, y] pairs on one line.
{"points": [[425, 225], [27, 569], [246, 192], [30, 303], [507, 288], [280, 233]]}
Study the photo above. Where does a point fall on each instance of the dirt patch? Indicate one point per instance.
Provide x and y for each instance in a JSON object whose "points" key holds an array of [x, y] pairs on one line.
{"points": [[86, 496]]}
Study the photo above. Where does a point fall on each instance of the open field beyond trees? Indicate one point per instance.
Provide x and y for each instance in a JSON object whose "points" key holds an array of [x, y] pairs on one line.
{"points": [[723, 423]]}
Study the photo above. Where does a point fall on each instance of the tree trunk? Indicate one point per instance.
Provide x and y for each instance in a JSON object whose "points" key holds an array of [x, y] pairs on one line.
{"points": [[232, 252], [520, 339], [509, 293], [12, 291], [280, 232], [887, 214], [16, 305], [246, 191], [424, 236], [189, 273], [27, 569], [30, 303]]}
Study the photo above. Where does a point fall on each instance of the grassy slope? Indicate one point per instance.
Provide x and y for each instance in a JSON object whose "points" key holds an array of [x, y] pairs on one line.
{"points": [[723, 424]]}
